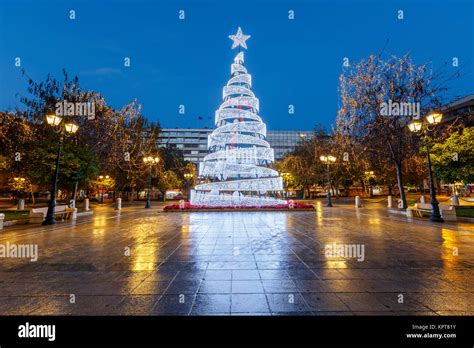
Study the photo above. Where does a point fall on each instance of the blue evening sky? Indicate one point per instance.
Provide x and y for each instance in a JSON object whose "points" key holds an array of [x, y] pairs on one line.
{"points": [[187, 62]]}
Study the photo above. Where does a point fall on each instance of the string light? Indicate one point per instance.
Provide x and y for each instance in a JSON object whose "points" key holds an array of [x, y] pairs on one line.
{"points": [[236, 165]]}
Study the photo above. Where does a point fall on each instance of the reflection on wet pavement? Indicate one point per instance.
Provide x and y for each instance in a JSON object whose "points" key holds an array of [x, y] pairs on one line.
{"points": [[258, 263]]}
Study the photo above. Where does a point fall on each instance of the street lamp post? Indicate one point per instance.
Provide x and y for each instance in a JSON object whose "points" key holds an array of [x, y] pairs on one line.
{"points": [[63, 128], [285, 178], [188, 177], [370, 174], [101, 186], [149, 161], [328, 159], [424, 128]]}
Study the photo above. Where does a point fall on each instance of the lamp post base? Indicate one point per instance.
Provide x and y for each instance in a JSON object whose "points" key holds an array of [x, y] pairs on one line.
{"points": [[436, 219], [48, 222], [329, 204], [147, 205]]}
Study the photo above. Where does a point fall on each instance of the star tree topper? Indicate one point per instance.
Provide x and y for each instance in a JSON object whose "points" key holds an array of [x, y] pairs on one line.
{"points": [[239, 39]]}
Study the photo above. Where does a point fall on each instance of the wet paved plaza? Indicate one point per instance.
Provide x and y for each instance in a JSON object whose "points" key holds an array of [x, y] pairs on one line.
{"points": [[146, 262]]}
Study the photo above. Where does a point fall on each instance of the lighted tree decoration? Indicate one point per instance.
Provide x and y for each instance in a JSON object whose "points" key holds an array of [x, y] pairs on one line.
{"points": [[236, 169]]}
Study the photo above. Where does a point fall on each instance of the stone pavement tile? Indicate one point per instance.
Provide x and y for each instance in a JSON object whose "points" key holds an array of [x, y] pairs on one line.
{"points": [[136, 304], [143, 266], [279, 285], [215, 287], [332, 314], [329, 264], [395, 286], [21, 277], [247, 287], [174, 305], [151, 288], [231, 265], [374, 273], [133, 276], [359, 302], [95, 305], [132, 266], [162, 275], [264, 265], [32, 289], [435, 285], [391, 300], [184, 266], [218, 275], [52, 276], [23, 289], [465, 285], [294, 265], [189, 275], [230, 257], [346, 285], [290, 303], [183, 287], [267, 257], [325, 302], [455, 313], [100, 288], [18, 305], [449, 301], [314, 285], [426, 313], [273, 274], [291, 314], [249, 303], [325, 273], [251, 314], [245, 274], [302, 274], [211, 304]]}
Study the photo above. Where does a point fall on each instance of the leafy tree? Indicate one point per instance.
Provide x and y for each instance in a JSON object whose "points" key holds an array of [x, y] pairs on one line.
{"points": [[20, 186], [78, 164], [460, 146], [118, 139], [15, 130]]}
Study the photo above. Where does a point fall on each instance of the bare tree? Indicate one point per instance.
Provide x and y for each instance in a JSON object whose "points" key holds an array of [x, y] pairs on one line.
{"points": [[367, 89]]}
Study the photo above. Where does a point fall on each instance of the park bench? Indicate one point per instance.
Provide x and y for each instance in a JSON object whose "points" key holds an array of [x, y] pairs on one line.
{"points": [[448, 213], [39, 214]]}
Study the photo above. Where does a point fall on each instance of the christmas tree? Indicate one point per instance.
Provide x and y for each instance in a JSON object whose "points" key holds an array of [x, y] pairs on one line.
{"points": [[236, 172]]}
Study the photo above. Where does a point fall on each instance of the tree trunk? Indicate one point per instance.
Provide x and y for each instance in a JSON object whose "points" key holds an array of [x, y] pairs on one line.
{"points": [[401, 190]]}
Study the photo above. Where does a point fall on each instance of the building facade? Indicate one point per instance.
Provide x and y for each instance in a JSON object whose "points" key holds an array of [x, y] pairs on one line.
{"points": [[193, 141]]}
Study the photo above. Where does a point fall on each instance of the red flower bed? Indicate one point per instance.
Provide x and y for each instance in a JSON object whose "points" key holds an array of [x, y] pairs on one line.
{"points": [[189, 206]]}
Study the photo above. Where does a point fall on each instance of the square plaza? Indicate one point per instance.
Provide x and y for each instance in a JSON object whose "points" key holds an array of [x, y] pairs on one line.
{"points": [[148, 262]]}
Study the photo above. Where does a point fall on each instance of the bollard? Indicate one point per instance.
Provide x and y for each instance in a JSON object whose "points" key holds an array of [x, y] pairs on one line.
{"points": [[21, 204], [86, 204], [390, 202], [455, 200], [118, 205], [358, 202], [422, 199], [2, 217]]}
